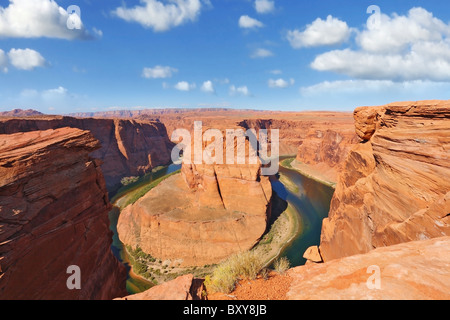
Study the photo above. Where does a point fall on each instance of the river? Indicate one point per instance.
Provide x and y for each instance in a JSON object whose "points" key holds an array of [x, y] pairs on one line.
{"points": [[309, 199], [135, 283], [311, 202]]}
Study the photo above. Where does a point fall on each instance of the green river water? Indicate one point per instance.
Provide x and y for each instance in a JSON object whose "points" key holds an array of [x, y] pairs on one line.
{"points": [[310, 200]]}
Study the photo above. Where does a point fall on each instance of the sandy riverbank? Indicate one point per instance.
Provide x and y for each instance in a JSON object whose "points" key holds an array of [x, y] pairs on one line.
{"points": [[308, 171]]}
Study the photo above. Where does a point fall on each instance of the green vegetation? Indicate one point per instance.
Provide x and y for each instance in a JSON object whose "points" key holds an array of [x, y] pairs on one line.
{"points": [[140, 192], [245, 265], [128, 180], [132, 184], [287, 163], [268, 238]]}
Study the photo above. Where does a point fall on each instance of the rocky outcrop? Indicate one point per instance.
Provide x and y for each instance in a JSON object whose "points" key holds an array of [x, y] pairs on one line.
{"points": [[312, 254], [128, 147], [181, 289], [395, 184], [418, 270], [213, 211], [54, 214], [314, 136], [320, 141], [326, 150], [20, 113]]}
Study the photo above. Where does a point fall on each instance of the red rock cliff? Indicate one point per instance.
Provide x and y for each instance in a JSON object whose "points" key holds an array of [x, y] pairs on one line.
{"points": [[53, 214], [395, 184], [320, 140], [128, 147], [201, 216]]}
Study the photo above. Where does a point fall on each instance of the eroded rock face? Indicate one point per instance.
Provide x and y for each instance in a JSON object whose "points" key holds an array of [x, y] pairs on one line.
{"points": [[128, 147], [395, 185], [418, 270], [180, 289], [320, 141], [201, 216], [54, 214]]}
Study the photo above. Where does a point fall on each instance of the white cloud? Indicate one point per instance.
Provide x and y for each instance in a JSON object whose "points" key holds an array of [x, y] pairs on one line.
{"points": [[280, 83], [276, 72], [78, 70], [56, 97], [376, 90], [208, 86], [57, 91], [347, 86], [158, 72], [26, 59], [320, 33], [249, 23], [349, 94], [3, 61], [402, 48], [97, 32], [185, 86], [395, 34], [37, 18], [239, 91], [160, 16], [262, 53], [264, 6]]}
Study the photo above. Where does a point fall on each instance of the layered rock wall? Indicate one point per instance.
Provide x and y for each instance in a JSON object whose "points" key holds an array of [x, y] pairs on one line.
{"points": [[321, 144], [418, 270], [128, 147], [201, 216], [395, 184], [53, 214]]}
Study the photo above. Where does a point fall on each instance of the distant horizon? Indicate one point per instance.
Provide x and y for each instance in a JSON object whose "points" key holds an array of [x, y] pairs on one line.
{"points": [[204, 109], [274, 55]]}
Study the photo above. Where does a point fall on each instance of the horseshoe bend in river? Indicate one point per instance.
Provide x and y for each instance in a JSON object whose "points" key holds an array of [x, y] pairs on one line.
{"points": [[308, 199]]}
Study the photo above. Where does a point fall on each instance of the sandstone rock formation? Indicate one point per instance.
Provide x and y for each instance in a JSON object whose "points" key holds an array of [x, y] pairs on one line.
{"points": [[54, 214], [395, 184], [312, 254], [418, 270], [181, 289], [295, 127], [128, 147], [321, 141], [20, 113], [201, 216]]}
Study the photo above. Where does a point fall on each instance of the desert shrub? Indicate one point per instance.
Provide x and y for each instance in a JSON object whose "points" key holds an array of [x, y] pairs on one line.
{"points": [[246, 265], [265, 274], [140, 268], [282, 265], [129, 180], [222, 280]]}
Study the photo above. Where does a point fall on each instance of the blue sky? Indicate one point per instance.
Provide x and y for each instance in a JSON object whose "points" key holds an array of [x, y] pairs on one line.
{"points": [[258, 54]]}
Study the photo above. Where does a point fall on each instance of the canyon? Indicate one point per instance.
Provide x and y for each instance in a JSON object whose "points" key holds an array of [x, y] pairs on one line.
{"points": [[128, 147], [390, 166], [320, 140], [53, 214], [395, 186], [125, 147], [214, 211], [390, 212]]}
